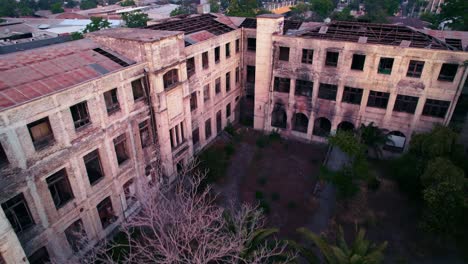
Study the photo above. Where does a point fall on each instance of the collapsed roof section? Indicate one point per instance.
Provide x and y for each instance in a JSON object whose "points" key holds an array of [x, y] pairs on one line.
{"points": [[288, 24]]}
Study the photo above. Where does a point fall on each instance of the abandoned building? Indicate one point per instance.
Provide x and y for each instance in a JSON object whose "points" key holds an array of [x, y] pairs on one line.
{"points": [[83, 122]]}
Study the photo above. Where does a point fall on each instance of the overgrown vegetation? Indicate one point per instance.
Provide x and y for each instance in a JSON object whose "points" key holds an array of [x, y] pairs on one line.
{"points": [[245, 8], [97, 23], [135, 19], [453, 13], [127, 3]]}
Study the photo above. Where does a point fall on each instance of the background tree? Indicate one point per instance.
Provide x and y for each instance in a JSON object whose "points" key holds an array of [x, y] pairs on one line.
{"points": [[299, 11], [180, 10], [457, 11], [344, 15], [378, 10], [26, 7], [56, 8], [8, 8], [374, 138], [135, 19], [214, 6], [127, 3], [88, 4], [70, 4], [97, 23], [322, 8]]}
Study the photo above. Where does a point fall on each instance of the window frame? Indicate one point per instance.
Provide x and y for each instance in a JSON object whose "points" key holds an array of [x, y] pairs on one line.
{"points": [[446, 77], [121, 140], [193, 101], [217, 54], [171, 79], [76, 231], [251, 44], [377, 99], [304, 85], [307, 56], [44, 141], [283, 53], [385, 65], [138, 89], [237, 45], [352, 95], [205, 60], [228, 81], [356, 63], [93, 156], [195, 135], [227, 50], [143, 128], [415, 69], [405, 104], [434, 105], [82, 122], [206, 93], [191, 67], [208, 129], [9, 208], [327, 91], [282, 85], [54, 182], [228, 110], [218, 86], [109, 219], [111, 100], [330, 60]]}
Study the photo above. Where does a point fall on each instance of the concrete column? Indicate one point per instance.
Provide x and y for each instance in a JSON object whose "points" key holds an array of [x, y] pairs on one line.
{"points": [[390, 105]]}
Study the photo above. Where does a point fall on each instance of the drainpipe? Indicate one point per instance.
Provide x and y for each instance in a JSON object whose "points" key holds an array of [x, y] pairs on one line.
{"points": [[457, 94]]}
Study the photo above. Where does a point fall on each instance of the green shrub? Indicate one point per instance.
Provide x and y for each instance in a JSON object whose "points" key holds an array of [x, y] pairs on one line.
{"points": [[230, 129], [265, 207], [229, 149], [275, 196], [259, 195], [215, 160], [262, 181], [292, 205], [262, 141], [342, 180], [274, 136], [373, 183]]}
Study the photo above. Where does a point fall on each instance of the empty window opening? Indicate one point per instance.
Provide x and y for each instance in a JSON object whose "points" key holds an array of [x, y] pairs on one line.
{"points": [[415, 68], [237, 45], [300, 122], [190, 67], [40, 256], [237, 75], [385, 66], [322, 127], [145, 136], [358, 62], [196, 136], [80, 115], [218, 85], [282, 85], [208, 128], [17, 212], [304, 88], [138, 89], [130, 192], [93, 166], [278, 116], [59, 188], [396, 141], [217, 54], [436, 108], [250, 74], [193, 101], [170, 78], [307, 56], [112, 101], [228, 50], [352, 95], [378, 99], [327, 91], [219, 124], [205, 60], [41, 133], [3, 157], [251, 44], [228, 81], [76, 235], [284, 53], [120, 146], [228, 110], [206, 93], [177, 135], [448, 72], [345, 126], [405, 103], [331, 59], [106, 212]]}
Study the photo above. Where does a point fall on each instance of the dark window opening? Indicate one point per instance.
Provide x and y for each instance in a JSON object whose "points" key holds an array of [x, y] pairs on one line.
{"points": [[3, 157], [251, 44], [60, 188], [237, 75], [41, 133], [190, 67], [415, 68], [352, 95], [228, 50], [145, 136], [448, 72], [332, 59], [456, 43], [80, 114], [300, 122], [195, 136], [218, 86], [385, 66], [93, 166], [206, 93], [327, 91], [205, 60], [228, 110], [112, 101], [358, 62], [282, 85], [120, 146], [106, 212], [284, 53], [40, 256], [304, 88], [237, 45], [17, 212], [208, 128], [322, 127], [405, 103], [250, 74], [307, 56], [193, 101], [228, 81], [76, 235], [436, 108], [378, 99], [170, 78], [219, 124], [177, 135], [345, 126], [216, 54], [129, 192], [138, 89], [278, 116]]}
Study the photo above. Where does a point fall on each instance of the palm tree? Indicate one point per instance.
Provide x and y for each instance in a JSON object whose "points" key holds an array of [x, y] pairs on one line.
{"points": [[373, 137], [361, 251]]}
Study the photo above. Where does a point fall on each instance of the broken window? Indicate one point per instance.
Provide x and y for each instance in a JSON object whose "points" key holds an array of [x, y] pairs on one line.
{"points": [[237, 45], [206, 93], [251, 44], [304, 88], [307, 56], [205, 60], [284, 53], [405, 103], [129, 192], [300, 122], [250, 74], [385, 66], [435, 108], [208, 128], [228, 50], [177, 135], [278, 116], [40, 256], [17, 212], [80, 114], [378, 99], [352, 95], [112, 101], [145, 137], [448, 72], [106, 212], [228, 110], [331, 59], [120, 146], [237, 75], [195, 136], [415, 68], [138, 89], [41, 133], [170, 78], [190, 67], [3, 157], [93, 166], [322, 127], [216, 54], [327, 91], [219, 124], [217, 85], [59, 188], [193, 101], [76, 235], [358, 62], [282, 85], [228, 81]]}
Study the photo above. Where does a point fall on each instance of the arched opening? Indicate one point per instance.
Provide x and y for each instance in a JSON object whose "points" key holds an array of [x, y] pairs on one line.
{"points": [[278, 117], [170, 78], [345, 126], [396, 141], [322, 127], [300, 122]]}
